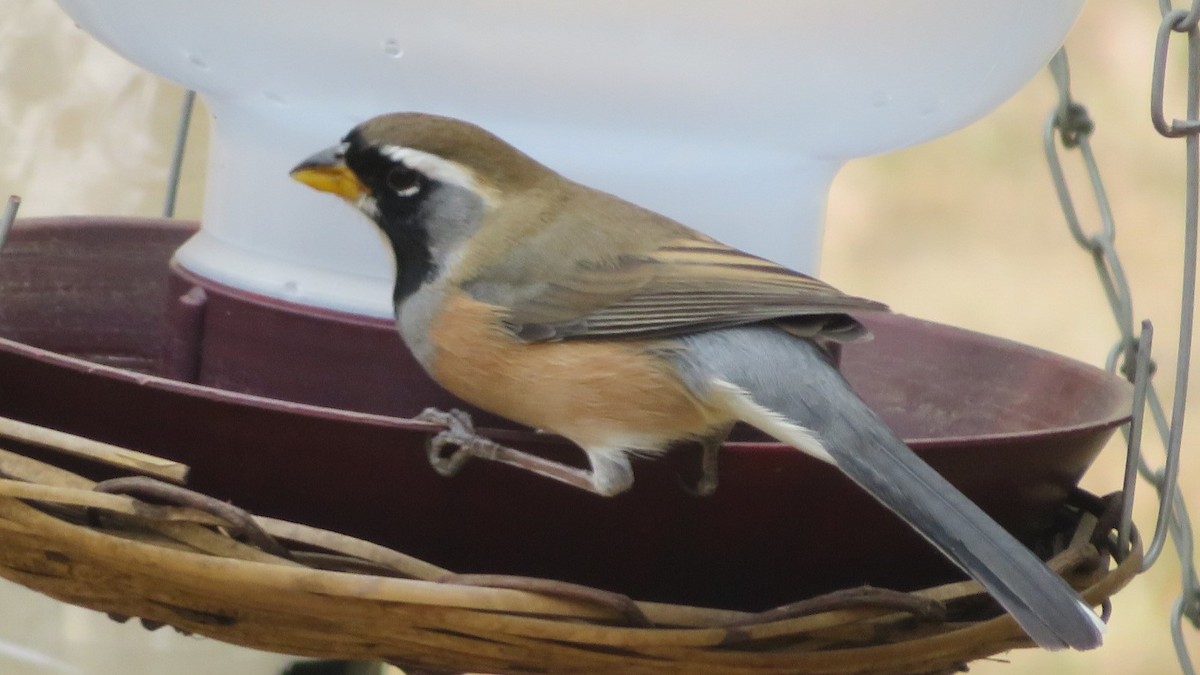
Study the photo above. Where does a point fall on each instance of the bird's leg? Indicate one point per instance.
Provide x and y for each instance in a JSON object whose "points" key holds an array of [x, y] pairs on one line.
{"points": [[460, 432], [611, 473], [710, 455]]}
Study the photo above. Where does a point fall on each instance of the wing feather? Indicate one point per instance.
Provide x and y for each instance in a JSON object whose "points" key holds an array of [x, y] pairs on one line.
{"points": [[686, 285]]}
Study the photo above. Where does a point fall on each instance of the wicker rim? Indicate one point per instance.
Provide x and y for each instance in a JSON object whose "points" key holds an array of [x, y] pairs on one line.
{"points": [[114, 547]]}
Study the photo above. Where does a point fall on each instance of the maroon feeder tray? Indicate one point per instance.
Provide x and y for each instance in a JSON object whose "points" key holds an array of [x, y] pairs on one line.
{"points": [[299, 414]]}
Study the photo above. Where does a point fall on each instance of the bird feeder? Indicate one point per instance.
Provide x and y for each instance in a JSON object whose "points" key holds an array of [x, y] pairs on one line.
{"points": [[258, 348]]}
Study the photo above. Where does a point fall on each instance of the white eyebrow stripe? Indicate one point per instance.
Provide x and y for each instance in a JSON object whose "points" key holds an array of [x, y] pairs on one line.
{"points": [[436, 168]]}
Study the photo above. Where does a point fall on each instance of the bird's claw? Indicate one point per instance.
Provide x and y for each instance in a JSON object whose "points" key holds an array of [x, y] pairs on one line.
{"points": [[710, 450], [705, 486], [460, 434]]}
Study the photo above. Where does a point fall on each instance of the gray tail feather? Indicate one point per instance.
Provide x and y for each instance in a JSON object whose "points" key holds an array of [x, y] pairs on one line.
{"points": [[1042, 603], [793, 378], [867, 451]]}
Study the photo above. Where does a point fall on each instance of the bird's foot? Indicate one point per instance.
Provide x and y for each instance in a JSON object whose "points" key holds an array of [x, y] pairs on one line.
{"points": [[459, 435], [705, 487], [710, 457]]}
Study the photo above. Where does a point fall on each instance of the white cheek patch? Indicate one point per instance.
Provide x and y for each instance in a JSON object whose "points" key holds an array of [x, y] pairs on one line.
{"points": [[436, 168]]}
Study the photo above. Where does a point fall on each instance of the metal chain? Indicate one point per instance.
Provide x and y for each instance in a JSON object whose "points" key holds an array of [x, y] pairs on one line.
{"points": [[1070, 125]]}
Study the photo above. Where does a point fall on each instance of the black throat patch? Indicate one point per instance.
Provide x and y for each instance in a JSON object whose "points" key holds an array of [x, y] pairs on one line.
{"points": [[400, 218], [410, 247]]}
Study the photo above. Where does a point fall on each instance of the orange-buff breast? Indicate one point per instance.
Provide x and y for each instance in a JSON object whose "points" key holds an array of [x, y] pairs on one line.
{"points": [[598, 393]]}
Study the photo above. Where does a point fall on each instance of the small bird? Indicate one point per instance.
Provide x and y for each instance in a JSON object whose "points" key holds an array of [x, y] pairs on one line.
{"points": [[570, 310]]}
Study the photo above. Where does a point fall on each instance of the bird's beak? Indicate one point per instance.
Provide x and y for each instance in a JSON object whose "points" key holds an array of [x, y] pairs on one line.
{"points": [[327, 171]]}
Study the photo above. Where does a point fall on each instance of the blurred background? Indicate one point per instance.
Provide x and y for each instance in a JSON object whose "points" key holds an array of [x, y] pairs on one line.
{"points": [[964, 230]]}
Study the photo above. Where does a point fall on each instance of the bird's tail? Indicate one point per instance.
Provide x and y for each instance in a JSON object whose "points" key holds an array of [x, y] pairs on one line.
{"points": [[818, 405]]}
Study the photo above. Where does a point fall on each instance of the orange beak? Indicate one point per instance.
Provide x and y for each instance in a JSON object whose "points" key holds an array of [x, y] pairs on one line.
{"points": [[327, 171]]}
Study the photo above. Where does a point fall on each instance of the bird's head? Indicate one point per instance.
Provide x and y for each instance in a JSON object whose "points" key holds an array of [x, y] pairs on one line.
{"points": [[428, 182], [391, 164]]}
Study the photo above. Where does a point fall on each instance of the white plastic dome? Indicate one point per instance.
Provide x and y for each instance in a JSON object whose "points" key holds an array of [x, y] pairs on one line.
{"points": [[732, 117]]}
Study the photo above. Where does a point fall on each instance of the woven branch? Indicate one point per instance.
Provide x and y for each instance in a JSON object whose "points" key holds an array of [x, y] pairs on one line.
{"points": [[208, 568]]}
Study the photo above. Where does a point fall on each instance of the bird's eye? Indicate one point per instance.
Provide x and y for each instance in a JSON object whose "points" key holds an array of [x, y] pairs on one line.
{"points": [[405, 181]]}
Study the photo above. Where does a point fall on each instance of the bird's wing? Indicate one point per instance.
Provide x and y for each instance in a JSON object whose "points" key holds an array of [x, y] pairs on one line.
{"points": [[686, 285]]}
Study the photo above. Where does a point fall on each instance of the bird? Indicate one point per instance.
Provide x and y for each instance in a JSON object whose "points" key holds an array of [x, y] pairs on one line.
{"points": [[570, 310]]}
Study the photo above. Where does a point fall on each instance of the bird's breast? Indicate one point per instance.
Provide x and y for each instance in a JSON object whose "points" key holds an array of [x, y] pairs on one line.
{"points": [[594, 392], [414, 318]]}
